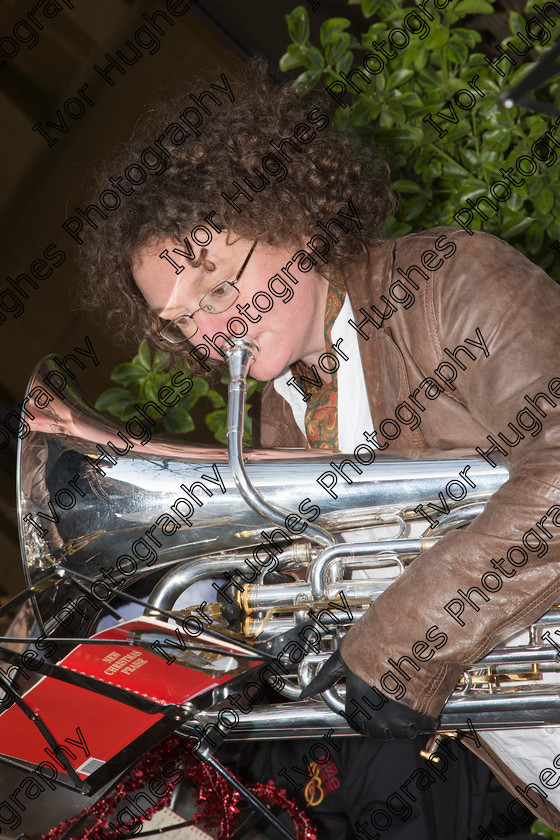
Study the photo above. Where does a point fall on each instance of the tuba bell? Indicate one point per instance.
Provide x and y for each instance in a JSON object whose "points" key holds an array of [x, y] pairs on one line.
{"points": [[136, 514]]}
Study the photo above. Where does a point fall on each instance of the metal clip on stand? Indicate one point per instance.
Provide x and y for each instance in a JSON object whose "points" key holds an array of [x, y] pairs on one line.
{"points": [[547, 68]]}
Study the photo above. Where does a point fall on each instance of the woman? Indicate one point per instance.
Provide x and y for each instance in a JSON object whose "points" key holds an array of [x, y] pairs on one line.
{"points": [[267, 224]]}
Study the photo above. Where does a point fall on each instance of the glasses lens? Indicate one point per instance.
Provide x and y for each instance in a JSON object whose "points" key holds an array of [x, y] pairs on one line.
{"points": [[220, 298], [179, 330]]}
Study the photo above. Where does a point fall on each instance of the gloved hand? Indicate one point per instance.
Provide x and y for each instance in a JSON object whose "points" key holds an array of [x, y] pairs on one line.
{"points": [[367, 710]]}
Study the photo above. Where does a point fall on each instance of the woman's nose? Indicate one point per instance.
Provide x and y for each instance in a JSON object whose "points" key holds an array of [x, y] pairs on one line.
{"points": [[213, 330]]}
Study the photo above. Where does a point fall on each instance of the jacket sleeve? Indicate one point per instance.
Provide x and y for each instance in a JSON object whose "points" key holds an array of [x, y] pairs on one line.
{"points": [[481, 584]]}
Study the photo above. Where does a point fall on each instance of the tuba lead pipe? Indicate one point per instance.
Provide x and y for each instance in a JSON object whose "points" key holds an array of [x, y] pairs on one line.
{"points": [[239, 356]]}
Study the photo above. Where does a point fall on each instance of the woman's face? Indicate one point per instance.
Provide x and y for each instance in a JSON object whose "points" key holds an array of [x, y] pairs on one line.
{"points": [[292, 329]]}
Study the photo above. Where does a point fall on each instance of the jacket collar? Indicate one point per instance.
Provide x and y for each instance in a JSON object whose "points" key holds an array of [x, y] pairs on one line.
{"points": [[382, 362]]}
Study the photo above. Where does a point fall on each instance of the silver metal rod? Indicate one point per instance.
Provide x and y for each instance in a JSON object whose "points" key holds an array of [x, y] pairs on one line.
{"points": [[239, 356], [518, 656], [278, 594], [311, 717], [173, 584], [318, 568], [456, 519]]}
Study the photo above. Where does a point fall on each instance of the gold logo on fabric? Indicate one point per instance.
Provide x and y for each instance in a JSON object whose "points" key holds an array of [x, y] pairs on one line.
{"points": [[314, 793]]}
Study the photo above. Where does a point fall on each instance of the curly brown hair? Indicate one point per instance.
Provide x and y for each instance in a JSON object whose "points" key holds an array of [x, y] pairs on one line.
{"points": [[321, 177]]}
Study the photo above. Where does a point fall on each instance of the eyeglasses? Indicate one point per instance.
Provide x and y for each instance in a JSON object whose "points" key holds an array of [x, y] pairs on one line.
{"points": [[217, 300]]}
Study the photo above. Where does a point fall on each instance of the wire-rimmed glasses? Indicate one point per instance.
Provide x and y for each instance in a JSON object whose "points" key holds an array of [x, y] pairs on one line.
{"points": [[217, 300]]}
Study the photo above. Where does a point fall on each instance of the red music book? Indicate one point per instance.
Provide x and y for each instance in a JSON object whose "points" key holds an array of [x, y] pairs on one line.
{"points": [[100, 735]]}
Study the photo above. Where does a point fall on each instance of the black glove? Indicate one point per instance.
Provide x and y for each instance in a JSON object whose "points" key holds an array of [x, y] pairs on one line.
{"points": [[367, 710]]}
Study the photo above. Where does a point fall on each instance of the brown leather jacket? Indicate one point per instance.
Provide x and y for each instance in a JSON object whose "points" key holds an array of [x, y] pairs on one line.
{"points": [[485, 285]]}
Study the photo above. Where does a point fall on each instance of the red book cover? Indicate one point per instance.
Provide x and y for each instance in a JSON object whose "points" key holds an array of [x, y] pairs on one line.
{"points": [[91, 729]]}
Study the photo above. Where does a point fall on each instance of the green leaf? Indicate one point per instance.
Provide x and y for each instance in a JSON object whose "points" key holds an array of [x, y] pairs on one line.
{"points": [[469, 36], [420, 59], [512, 229], [457, 132], [298, 25], [533, 187], [542, 830], [313, 58], [498, 139], [128, 373], [306, 81], [516, 200], [217, 423], [345, 63], [216, 399], [389, 117], [370, 7], [554, 230], [149, 389], [160, 362], [398, 78], [409, 99], [471, 188], [536, 124], [457, 52], [453, 169], [428, 76], [129, 412], [365, 110], [405, 186], [254, 387], [337, 49], [404, 134], [473, 7], [143, 356], [198, 390], [292, 58], [114, 401], [516, 22], [178, 421], [332, 29], [375, 31], [437, 38], [544, 201], [397, 229], [535, 237], [414, 207]]}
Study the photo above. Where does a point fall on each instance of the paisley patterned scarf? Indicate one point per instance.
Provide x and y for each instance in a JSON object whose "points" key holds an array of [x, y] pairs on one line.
{"points": [[321, 415]]}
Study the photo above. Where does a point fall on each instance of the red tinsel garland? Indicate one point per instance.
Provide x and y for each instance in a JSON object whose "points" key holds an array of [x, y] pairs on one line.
{"points": [[218, 802]]}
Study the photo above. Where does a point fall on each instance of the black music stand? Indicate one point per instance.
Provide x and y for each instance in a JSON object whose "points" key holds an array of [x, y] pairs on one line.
{"points": [[547, 68]]}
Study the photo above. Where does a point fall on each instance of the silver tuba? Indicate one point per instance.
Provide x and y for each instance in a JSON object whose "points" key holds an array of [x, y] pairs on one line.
{"points": [[95, 496]]}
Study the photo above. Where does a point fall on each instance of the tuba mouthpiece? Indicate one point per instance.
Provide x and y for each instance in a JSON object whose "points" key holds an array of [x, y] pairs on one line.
{"points": [[239, 355]]}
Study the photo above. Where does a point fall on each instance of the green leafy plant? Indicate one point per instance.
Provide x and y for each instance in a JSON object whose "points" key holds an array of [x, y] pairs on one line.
{"points": [[542, 830], [141, 381], [436, 174]]}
